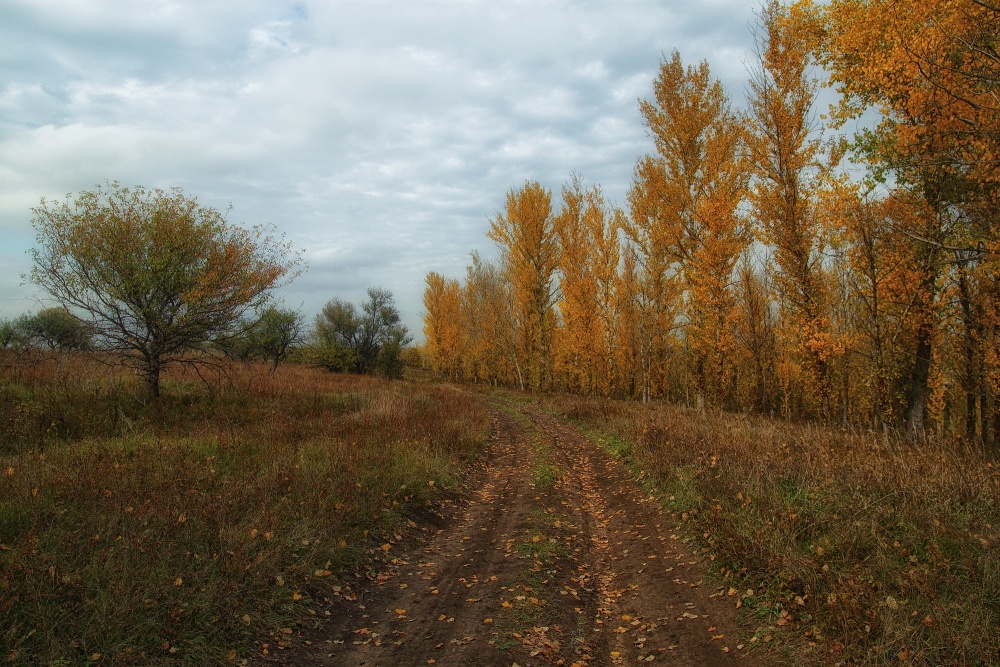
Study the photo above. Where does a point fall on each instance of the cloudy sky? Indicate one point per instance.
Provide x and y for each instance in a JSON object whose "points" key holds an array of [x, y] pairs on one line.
{"points": [[380, 136]]}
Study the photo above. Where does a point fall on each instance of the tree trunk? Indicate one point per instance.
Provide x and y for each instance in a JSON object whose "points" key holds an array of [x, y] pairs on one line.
{"points": [[520, 377], [970, 416], [984, 431], [916, 403], [153, 379], [970, 379], [994, 442]]}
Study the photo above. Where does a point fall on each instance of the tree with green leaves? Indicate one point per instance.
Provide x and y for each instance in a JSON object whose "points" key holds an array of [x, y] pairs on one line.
{"points": [[8, 334], [156, 274], [369, 341], [53, 329], [269, 336], [276, 333]]}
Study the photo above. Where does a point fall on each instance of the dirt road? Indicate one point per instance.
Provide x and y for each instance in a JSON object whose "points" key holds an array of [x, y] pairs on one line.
{"points": [[554, 556]]}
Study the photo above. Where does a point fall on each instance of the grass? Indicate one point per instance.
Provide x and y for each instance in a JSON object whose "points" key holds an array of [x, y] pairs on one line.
{"points": [[534, 617], [207, 525], [841, 548], [544, 471]]}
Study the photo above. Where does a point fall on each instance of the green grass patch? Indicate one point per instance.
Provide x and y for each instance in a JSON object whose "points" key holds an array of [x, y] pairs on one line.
{"points": [[544, 473]]}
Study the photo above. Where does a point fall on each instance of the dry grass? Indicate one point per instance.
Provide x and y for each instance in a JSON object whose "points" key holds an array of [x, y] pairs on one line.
{"points": [[845, 549], [216, 520]]}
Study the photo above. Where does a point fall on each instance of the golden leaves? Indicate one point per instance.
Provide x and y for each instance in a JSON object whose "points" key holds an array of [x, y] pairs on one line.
{"points": [[529, 253], [685, 204], [442, 324]]}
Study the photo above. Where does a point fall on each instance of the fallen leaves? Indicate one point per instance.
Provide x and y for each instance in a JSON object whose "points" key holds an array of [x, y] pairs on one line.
{"points": [[586, 544]]}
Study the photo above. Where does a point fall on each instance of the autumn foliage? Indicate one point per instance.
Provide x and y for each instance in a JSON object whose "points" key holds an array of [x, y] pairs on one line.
{"points": [[155, 274], [766, 261]]}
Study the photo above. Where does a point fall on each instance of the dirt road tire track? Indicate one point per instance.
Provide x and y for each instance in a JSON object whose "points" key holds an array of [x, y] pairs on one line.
{"points": [[580, 569], [650, 582]]}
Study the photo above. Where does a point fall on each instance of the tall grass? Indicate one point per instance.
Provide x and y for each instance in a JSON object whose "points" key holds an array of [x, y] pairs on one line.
{"points": [[205, 525], [855, 548]]}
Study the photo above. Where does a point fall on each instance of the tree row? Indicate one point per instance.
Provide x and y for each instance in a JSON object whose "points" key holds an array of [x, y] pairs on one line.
{"points": [[764, 263]]}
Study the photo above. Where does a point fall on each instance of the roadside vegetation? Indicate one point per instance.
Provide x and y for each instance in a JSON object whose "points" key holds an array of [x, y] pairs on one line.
{"points": [[213, 521], [839, 547]]}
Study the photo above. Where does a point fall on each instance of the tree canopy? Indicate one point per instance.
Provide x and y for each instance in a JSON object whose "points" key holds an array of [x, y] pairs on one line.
{"points": [[367, 342], [156, 274], [50, 328]]}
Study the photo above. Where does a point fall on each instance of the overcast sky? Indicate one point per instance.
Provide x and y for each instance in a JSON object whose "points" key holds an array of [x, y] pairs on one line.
{"points": [[379, 136]]}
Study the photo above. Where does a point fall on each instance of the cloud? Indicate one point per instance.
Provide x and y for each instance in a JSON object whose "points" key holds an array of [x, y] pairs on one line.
{"points": [[379, 136]]}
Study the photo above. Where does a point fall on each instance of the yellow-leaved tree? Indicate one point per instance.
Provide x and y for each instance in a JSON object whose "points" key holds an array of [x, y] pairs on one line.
{"points": [[529, 255], [685, 213], [443, 324], [790, 166], [930, 69], [587, 231]]}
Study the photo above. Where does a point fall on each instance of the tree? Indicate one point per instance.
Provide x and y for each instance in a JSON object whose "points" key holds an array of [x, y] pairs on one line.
{"points": [[489, 325], [156, 274], [269, 336], [442, 324], [529, 254], [589, 254], [52, 328], [754, 329], [789, 174], [334, 335], [276, 332], [8, 334], [366, 342], [685, 203], [930, 69]]}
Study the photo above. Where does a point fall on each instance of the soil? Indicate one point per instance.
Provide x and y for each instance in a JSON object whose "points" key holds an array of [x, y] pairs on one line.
{"points": [[552, 556]]}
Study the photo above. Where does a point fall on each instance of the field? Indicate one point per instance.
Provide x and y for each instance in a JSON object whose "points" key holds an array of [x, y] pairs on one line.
{"points": [[200, 528], [243, 515]]}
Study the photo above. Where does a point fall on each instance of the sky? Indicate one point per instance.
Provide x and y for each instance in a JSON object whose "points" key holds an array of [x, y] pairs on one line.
{"points": [[380, 137]]}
